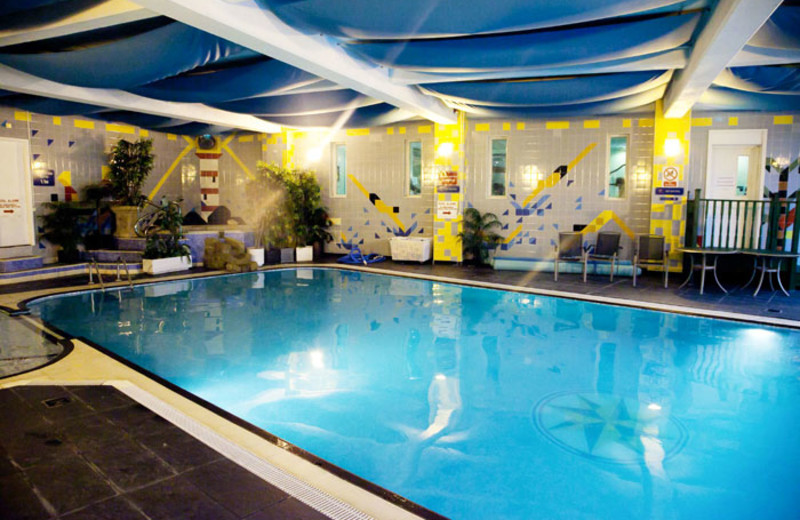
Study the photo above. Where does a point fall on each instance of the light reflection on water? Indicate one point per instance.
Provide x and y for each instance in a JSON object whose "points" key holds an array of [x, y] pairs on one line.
{"points": [[480, 403]]}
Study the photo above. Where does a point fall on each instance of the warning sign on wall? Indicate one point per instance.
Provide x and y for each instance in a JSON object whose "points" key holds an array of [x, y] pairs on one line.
{"points": [[670, 176], [447, 209]]}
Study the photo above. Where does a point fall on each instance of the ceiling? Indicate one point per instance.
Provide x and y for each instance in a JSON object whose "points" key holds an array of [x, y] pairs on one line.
{"points": [[211, 66]]}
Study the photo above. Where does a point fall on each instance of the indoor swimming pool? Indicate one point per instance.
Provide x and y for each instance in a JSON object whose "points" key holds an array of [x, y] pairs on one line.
{"points": [[478, 403]]}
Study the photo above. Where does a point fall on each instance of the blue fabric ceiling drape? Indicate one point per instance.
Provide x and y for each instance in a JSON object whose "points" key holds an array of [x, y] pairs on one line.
{"points": [[375, 115], [129, 62], [406, 19], [49, 106], [586, 45], [720, 98], [300, 104], [641, 102], [259, 79], [772, 80], [581, 89]]}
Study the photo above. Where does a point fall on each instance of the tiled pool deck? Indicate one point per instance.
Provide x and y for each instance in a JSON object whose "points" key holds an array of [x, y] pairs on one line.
{"points": [[86, 451]]}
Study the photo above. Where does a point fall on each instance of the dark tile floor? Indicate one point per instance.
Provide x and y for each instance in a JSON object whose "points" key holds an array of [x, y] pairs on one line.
{"points": [[90, 453]]}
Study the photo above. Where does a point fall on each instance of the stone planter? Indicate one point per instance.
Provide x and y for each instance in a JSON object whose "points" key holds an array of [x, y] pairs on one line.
{"points": [[126, 217], [304, 254], [273, 255], [287, 255], [166, 265], [256, 255]]}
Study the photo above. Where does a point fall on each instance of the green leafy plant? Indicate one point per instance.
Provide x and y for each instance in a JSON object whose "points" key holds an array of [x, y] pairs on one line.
{"points": [[295, 215], [129, 165], [62, 227], [167, 242], [478, 236]]}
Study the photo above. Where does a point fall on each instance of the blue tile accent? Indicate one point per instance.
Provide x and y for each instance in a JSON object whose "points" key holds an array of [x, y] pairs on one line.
{"points": [[11, 265]]}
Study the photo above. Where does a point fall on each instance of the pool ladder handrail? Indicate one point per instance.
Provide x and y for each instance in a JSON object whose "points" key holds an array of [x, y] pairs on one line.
{"points": [[93, 263], [122, 261]]}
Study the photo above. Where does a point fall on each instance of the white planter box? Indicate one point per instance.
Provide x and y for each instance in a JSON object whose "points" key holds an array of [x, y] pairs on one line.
{"points": [[166, 265], [407, 248], [304, 254], [256, 255]]}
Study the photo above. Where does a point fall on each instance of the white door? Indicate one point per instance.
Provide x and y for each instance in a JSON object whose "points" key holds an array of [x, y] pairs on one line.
{"points": [[734, 179], [16, 213]]}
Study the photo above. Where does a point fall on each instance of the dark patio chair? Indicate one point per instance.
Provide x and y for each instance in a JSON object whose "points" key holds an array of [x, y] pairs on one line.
{"points": [[568, 249], [605, 249], [651, 251]]}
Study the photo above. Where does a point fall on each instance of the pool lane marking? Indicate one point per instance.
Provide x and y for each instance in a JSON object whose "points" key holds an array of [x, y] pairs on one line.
{"points": [[172, 167], [557, 174], [381, 206]]}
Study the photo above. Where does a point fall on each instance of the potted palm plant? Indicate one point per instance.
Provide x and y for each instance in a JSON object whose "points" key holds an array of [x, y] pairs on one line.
{"points": [[295, 218], [478, 236], [164, 252], [129, 165], [62, 227], [310, 217]]}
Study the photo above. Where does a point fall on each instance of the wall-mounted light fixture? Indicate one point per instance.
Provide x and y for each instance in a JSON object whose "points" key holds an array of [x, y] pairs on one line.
{"points": [[445, 149], [672, 146], [314, 154]]}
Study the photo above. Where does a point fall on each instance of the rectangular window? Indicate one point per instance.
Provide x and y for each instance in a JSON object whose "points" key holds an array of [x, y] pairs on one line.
{"points": [[742, 171], [617, 166], [415, 168], [498, 187], [339, 170]]}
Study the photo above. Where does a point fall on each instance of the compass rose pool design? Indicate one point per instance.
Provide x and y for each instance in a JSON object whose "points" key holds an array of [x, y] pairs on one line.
{"points": [[478, 403]]}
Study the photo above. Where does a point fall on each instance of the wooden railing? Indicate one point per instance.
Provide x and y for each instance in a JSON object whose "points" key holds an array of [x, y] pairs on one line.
{"points": [[745, 225]]}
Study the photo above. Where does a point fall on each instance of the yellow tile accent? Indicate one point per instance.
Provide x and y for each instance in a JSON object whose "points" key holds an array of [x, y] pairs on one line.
{"points": [[482, 127], [65, 178], [357, 131], [104, 172], [557, 125], [657, 208], [264, 148], [646, 123], [22, 116], [424, 129], [336, 221], [143, 133], [454, 134], [390, 130], [591, 123], [402, 130], [172, 137], [82, 123], [520, 126], [246, 139], [702, 121], [626, 123], [57, 120], [123, 129], [506, 127], [273, 139], [733, 121], [783, 120]]}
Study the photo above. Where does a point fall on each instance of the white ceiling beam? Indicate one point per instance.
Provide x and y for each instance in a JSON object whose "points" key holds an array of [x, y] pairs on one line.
{"points": [[17, 81], [106, 14], [731, 24], [246, 23]]}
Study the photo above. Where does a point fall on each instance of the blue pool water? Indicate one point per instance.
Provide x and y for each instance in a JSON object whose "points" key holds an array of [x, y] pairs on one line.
{"points": [[479, 403]]}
